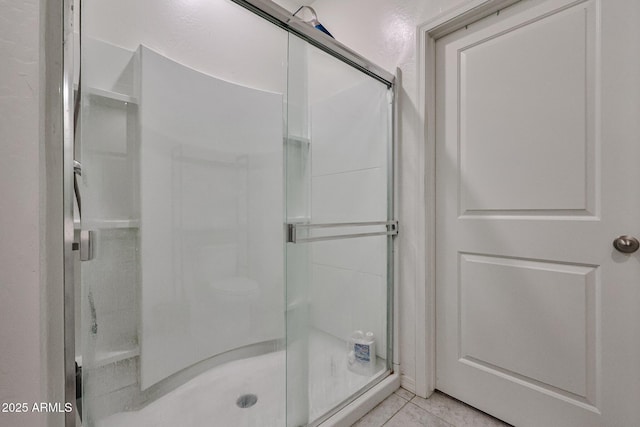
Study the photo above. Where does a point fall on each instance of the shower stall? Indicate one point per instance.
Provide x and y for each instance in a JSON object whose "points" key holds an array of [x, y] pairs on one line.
{"points": [[234, 216]]}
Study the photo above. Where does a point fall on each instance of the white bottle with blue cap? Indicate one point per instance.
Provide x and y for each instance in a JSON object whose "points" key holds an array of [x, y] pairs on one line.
{"points": [[362, 353]]}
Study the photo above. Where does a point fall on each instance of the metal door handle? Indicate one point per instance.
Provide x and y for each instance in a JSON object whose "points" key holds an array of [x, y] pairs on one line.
{"points": [[84, 242], [292, 231], [626, 244]]}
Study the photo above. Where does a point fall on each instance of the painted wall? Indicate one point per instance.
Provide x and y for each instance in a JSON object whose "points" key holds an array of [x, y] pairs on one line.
{"points": [[384, 31], [214, 37], [20, 230]]}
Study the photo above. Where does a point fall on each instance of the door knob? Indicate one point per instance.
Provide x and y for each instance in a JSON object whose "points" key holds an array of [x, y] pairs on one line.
{"points": [[626, 244]]}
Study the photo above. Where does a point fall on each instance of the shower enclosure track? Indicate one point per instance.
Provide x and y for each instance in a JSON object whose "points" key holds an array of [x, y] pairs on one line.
{"points": [[282, 18]]}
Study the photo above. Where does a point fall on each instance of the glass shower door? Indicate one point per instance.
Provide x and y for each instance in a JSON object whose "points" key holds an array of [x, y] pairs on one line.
{"points": [[223, 169], [339, 256], [182, 305]]}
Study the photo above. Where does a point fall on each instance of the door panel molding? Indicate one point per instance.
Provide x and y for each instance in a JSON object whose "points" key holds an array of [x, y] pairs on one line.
{"points": [[566, 293]]}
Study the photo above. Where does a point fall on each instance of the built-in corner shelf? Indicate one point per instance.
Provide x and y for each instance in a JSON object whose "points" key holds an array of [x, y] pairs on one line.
{"points": [[302, 219], [110, 224], [109, 96], [109, 357], [112, 96], [298, 139], [104, 358]]}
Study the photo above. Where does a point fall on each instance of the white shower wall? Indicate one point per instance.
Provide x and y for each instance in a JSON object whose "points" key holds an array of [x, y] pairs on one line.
{"points": [[350, 131], [207, 149]]}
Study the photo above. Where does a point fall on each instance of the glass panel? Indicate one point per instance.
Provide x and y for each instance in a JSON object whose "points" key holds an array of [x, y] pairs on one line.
{"points": [[298, 210], [337, 162], [182, 308], [182, 127]]}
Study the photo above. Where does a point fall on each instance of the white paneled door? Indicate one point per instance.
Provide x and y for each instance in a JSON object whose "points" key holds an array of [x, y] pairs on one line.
{"points": [[537, 172]]}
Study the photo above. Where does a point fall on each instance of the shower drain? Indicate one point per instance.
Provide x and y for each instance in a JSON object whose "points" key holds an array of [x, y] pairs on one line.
{"points": [[247, 400]]}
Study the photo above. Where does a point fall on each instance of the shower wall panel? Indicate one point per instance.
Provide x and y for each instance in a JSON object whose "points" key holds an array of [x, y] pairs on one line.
{"points": [[211, 208], [349, 184]]}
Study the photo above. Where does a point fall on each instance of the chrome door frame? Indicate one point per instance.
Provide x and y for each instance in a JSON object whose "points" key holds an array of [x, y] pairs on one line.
{"points": [[65, 32], [282, 18]]}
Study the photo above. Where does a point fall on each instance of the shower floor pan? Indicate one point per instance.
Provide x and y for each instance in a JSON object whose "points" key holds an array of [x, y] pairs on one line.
{"points": [[220, 397]]}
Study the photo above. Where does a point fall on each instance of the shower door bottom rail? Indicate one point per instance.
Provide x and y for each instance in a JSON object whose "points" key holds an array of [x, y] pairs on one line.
{"points": [[293, 230]]}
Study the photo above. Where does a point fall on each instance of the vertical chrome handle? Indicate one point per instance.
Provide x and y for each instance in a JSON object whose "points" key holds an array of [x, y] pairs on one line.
{"points": [[84, 242], [86, 245]]}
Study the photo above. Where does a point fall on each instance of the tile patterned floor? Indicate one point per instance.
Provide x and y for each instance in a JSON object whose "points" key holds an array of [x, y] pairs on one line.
{"points": [[405, 409]]}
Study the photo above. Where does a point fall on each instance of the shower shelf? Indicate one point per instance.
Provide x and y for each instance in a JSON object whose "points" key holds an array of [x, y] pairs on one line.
{"points": [[104, 358], [111, 223], [111, 96], [298, 139]]}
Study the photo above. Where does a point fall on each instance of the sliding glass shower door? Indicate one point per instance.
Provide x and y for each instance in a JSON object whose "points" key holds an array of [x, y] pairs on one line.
{"points": [[235, 185], [339, 252], [182, 302]]}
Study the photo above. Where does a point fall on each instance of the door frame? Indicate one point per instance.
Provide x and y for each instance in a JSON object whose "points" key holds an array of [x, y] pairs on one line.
{"points": [[425, 318]]}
